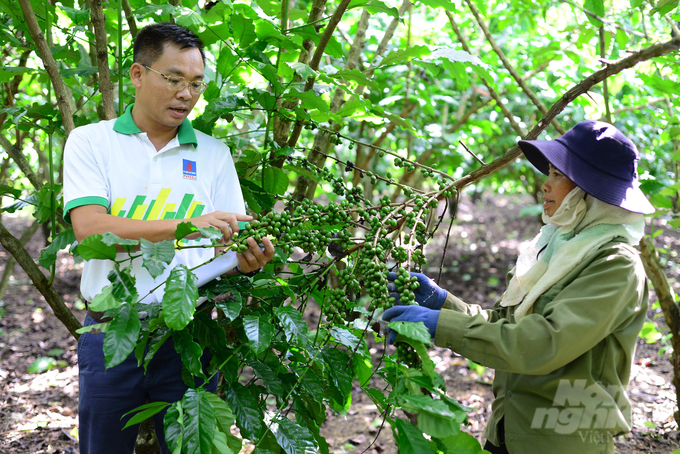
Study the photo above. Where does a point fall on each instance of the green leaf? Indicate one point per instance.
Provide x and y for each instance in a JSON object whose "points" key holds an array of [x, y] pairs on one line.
{"points": [[410, 330], [157, 340], [231, 307], [374, 7], [355, 75], [345, 337], [244, 405], [103, 327], [336, 364], [303, 70], [220, 445], [93, 247], [199, 424], [111, 239], [123, 284], [664, 6], [121, 336], [243, 30], [363, 368], [145, 412], [179, 300], [403, 55], [273, 384], [77, 16], [256, 197], [82, 71], [41, 365], [596, 7], [293, 438], [259, 332], [189, 350], [156, 255], [185, 229], [223, 414], [13, 192], [104, 301], [462, 443], [444, 4], [435, 418], [7, 73], [293, 325], [636, 3], [48, 256], [309, 100], [275, 181], [174, 429], [410, 440]]}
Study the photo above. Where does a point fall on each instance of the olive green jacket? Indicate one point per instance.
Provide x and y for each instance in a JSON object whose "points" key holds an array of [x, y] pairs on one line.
{"points": [[561, 372]]}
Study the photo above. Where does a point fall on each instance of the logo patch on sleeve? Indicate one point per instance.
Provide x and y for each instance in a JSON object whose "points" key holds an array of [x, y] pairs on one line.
{"points": [[189, 169]]}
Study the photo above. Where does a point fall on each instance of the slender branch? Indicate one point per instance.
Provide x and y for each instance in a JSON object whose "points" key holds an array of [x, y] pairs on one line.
{"points": [[316, 59], [573, 93], [603, 20], [18, 157], [472, 153], [511, 69], [101, 39], [132, 24], [50, 66], [62, 312], [506, 112], [649, 103], [605, 87], [11, 262]]}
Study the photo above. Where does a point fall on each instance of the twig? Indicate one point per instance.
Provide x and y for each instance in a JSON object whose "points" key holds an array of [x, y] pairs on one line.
{"points": [[573, 93], [603, 20], [101, 38], [506, 112], [605, 87], [472, 153], [448, 235], [511, 69], [50, 66]]}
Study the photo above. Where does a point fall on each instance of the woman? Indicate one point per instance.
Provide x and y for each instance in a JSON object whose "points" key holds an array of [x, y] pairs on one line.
{"points": [[562, 337]]}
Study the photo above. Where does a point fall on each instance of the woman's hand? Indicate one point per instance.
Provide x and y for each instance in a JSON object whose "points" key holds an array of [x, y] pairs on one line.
{"points": [[428, 294], [411, 314]]}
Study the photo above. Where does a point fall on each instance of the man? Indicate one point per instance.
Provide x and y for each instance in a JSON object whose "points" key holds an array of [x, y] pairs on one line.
{"points": [[139, 176]]}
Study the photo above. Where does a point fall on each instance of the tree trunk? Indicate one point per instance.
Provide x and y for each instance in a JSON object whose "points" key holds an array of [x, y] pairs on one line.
{"points": [[11, 262], [62, 312], [670, 309], [101, 39]]}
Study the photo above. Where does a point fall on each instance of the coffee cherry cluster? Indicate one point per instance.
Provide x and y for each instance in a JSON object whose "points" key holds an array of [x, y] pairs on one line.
{"points": [[336, 305], [407, 355], [405, 285]]}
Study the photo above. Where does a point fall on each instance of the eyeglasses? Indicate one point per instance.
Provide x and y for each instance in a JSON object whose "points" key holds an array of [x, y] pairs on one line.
{"points": [[179, 83]]}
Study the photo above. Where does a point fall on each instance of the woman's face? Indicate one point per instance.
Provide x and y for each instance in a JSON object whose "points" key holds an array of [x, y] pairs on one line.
{"points": [[555, 189]]}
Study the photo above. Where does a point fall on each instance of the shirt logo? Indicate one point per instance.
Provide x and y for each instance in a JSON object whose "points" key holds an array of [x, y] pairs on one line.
{"points": [[189, 169]]}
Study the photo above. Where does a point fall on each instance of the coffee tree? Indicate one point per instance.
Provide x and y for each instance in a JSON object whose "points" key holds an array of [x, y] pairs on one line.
{"points": [[350, 123]]}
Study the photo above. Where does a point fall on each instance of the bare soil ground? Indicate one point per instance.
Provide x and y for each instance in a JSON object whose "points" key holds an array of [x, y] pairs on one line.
{"points": [[38, 412]]}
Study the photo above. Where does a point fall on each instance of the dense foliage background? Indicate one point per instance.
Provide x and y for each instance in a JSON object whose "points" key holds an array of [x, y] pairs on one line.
{"points": [[401, 105]]}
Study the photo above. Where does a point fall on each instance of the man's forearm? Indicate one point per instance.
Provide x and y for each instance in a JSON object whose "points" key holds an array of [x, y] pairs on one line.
{"points": [[98, 223]]}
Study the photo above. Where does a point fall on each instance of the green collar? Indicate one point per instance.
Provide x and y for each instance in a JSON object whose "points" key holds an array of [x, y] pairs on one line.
{"points": [[126, 125]]}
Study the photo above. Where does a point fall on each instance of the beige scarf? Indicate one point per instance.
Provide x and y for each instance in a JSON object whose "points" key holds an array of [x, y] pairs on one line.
{"points": [[577, 229]]}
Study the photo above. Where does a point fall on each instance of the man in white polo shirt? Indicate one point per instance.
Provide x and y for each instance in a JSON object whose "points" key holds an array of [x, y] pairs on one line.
{"points": [[139, 176]]}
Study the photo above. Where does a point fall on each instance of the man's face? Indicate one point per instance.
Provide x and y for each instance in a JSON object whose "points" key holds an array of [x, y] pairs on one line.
{"points": [[157, 106]]}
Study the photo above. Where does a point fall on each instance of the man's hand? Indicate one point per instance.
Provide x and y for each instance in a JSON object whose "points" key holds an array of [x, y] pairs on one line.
{"points": [[227, 223], [256, 256]]}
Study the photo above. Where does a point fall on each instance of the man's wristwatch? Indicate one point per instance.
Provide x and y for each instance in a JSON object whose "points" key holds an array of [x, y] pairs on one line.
{"points": [[251, 274]]}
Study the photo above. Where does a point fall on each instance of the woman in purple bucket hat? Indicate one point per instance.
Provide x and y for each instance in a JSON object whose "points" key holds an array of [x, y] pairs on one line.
{"points": [[562, 337]]}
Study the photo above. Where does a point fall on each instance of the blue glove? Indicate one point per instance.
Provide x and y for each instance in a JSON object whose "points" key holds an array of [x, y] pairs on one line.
{"points": [[428, 294], [411, 314]]}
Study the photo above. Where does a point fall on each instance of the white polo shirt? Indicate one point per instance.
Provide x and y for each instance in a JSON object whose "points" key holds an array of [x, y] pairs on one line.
{"points": [[114, 164]]}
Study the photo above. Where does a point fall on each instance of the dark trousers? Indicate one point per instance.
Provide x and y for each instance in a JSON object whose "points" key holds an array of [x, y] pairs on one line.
{"points": [[106, 395], [502, 449]]}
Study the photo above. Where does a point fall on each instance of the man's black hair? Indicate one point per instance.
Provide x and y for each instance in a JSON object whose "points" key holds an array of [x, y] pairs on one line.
{"points": [[151, 40]]}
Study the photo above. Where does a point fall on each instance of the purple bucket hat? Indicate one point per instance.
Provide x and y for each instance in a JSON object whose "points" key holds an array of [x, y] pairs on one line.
{"points": [[598, 158]]}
